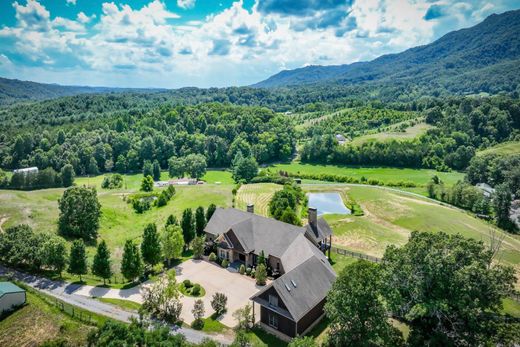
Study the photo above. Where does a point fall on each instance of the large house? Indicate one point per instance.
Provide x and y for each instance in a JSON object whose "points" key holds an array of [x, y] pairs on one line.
{"points": [[293, 303]]}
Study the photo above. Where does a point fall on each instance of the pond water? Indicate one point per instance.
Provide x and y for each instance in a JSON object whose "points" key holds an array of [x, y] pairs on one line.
{"points": [[328, 203]]}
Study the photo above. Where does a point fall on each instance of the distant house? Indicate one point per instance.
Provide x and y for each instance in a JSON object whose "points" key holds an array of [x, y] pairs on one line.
{"points": [[341, 139], [28, 170], [293, 302], [11, 296], [183, 181], [486, 189]]}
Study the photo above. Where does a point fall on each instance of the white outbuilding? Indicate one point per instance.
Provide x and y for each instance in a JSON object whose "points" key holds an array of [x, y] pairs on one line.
{"points": [[11, 296]]}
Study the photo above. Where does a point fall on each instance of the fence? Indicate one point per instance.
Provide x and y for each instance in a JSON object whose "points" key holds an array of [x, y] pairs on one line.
{"points": [[348, 253], [74, 312]]}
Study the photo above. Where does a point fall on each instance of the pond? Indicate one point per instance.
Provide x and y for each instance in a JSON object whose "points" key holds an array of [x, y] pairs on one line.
{"points": [[328, 203]]}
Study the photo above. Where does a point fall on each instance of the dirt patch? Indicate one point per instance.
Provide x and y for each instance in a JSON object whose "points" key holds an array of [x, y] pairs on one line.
{"points": [[368, 208], [357, 243], [2, 221]]}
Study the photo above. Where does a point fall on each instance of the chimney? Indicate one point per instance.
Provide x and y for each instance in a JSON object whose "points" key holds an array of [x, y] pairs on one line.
{"points": [[250, 208], [313, 216]]}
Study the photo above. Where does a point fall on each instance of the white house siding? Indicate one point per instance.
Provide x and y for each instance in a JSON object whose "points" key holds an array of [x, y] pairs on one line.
{"points": [[10, 300]]}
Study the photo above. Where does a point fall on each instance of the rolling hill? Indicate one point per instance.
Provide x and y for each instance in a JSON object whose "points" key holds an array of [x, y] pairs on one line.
{"points": [[12, 90], [483, 58]]}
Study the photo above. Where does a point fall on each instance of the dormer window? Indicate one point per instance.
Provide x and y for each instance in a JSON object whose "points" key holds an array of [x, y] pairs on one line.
{"points": [[273, 300]]}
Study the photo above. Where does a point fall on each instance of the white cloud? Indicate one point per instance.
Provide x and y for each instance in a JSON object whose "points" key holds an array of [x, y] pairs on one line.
{"points": [[186, 3], [234, 46], [71, 2]]}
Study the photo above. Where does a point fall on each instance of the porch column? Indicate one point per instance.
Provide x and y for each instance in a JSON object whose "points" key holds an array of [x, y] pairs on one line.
{"points": [[330, 244]]}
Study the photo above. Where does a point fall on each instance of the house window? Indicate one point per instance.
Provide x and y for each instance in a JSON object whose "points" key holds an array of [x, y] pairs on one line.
{"points": [[224, 254], [273, 321], [273, 300]]}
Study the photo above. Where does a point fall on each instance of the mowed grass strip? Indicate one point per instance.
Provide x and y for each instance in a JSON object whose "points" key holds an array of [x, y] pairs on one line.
{"points": [[258, 194], [506, 148], [409, 133], [386, 175]]}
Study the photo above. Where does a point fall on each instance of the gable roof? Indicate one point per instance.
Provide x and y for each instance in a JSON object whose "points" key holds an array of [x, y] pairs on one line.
{"points": [[255, 233], [9, 287], [302, 288], [320, 231]]}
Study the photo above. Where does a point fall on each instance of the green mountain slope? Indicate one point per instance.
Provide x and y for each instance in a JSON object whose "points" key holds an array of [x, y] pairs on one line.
{"points": [[483, 58]]}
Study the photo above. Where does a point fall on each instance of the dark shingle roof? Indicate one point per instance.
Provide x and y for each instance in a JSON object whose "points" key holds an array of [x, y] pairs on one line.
{"points": [[303, 287], [320, 232]]}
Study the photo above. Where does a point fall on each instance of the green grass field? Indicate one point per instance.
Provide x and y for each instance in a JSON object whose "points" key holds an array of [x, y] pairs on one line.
{"points": [[118, 220], [386, 175], [505, 148], [124, 304], [257, 194], [408, 134]]}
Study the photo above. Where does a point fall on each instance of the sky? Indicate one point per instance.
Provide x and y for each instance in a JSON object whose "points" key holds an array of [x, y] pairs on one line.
{"points": [[213, 43]]}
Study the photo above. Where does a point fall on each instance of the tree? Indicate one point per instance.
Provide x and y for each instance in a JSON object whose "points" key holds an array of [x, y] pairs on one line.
{"points": [[147, 184], [78, 259], [161, 299], [306, 341], [61, 137], [67, 175], [289, 216], [172, 220], [447, 289], [151, 245], [55, 251], [172, 242], [502, 206], [176, 167], [198, 246], [261, 275], [200, 221], [131, 264], [93, 168], [187, 226], [261, 258], [356, 311], [147, 168], [156, 171], [196, 165], [218, 303], [101, 265], [198, 311], [209, 212], [79, 213], [244, 317], [245, 169]]}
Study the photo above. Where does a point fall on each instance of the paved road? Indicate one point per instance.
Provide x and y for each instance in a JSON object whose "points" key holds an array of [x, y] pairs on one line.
{"points": [[66, 292]]}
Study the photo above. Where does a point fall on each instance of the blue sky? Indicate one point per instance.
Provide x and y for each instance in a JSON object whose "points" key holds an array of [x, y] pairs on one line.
{"points": [[206, 43]]}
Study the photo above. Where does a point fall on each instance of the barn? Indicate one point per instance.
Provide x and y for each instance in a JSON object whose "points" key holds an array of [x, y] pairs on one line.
{"points": [[11, 296]]}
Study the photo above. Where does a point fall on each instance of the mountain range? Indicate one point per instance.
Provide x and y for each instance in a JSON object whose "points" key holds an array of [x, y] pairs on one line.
{"points": [[483, 58]]}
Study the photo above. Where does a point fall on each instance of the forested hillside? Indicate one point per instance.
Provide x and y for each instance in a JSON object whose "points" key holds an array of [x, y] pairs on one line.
{"points": [[483, 58], [125, 140]]}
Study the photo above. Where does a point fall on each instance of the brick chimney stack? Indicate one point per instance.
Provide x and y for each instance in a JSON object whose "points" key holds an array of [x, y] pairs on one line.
{"points": [[250, 208], [313, 216]]}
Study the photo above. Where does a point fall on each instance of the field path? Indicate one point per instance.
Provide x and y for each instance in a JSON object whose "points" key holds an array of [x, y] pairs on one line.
{"points": [[2, 221]]}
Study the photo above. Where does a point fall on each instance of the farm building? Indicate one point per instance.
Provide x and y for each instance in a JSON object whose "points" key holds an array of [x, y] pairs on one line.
{"points": [[27, 170], [11, 296]]}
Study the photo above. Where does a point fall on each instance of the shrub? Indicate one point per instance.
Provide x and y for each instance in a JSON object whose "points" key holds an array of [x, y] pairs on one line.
{"points": [[248, 271], [225, 263], [242, 269], [253, 273], [261, 275], [195, 291], [187, 284], [212, 257]]}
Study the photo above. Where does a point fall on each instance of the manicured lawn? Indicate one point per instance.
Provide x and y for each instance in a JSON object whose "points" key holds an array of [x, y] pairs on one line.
{"points": [[257, 335], [339, 261], [40, 320], [512, 147], [213, 325], [386, 175], [188, 291], [124, 304], [218, 177], [511, 307]]}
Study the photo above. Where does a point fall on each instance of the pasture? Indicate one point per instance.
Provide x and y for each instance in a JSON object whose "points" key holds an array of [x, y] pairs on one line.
{"points": [[392, 134], [383, 174], [506, 148]]}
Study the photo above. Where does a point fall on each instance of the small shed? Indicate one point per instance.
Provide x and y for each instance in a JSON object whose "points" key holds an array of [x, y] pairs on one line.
{"points": [[11, 296]]}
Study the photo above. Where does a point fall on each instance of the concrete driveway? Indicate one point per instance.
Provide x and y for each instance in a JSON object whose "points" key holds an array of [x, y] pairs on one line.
{"points": [[213, 278]]}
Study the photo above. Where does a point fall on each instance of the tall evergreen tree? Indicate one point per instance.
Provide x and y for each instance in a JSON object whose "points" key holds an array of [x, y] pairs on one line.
{"points": [[101, 264], [147, 168], [200, 221], [78, 259], [156, 171], [188, 230], [151, 245], [132, 264], [209, 212], [171, 220], [67, 175]]}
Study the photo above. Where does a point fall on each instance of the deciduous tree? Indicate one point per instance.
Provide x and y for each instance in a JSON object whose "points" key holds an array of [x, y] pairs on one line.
{"points": [[79, 213]]}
